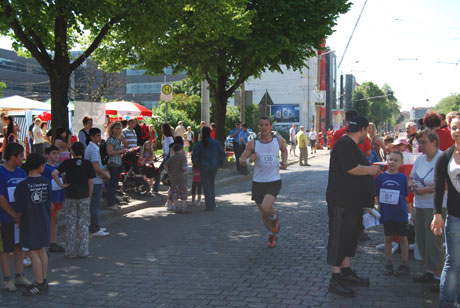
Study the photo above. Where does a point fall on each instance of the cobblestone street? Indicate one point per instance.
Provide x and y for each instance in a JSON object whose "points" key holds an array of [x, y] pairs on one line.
{"points": [[220, 259]]}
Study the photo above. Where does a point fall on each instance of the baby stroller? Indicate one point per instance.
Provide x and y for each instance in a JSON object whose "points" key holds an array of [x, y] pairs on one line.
{"points": [[132, 175]]}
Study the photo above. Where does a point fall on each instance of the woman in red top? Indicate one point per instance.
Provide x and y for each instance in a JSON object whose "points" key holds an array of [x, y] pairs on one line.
{"points": [[433, 120], [213, 130]]}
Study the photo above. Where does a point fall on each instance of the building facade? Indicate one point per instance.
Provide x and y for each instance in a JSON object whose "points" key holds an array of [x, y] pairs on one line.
{"points": [[25, 77]]}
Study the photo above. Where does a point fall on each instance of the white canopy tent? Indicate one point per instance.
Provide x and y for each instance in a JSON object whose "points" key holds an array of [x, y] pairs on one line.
{"points": [[19, 103]]}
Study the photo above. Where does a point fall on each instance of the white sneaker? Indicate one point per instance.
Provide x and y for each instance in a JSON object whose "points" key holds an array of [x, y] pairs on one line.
{"points": [[22, 281], [100, 233], [27, 262], [9, 286], [103, 229]]}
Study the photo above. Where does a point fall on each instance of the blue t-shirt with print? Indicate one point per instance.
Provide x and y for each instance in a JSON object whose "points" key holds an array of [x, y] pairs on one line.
{"points": [[392, 192], [57, 195], [8, 182]]}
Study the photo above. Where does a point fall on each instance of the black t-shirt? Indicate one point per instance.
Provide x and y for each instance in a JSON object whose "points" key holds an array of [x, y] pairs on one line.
{"points": [[33, 199], [343, 189], [77, 173]]}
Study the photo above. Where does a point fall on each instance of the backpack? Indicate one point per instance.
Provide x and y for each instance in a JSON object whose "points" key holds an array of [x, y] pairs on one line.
{"points": [[103, 152], [87, 139]]}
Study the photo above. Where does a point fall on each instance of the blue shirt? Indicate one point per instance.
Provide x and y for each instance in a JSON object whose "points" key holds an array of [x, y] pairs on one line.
{"points": [[58, 193], [243, 134], [387, 187], [236, 138], [211, 157], [8, 182]]}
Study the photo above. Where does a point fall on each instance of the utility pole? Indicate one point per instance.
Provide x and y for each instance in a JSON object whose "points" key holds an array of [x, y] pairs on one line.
{"points": [[166, 103], [243, 104]]}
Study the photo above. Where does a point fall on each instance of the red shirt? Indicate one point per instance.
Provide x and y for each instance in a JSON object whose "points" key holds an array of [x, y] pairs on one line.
{"points": [[365, 146], [445, 139], [213, 133]]}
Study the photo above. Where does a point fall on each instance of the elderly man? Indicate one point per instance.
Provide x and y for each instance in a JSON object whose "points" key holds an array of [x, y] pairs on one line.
{"points": [[180, 129], [302, 142], [411, 131], [350, 189]]}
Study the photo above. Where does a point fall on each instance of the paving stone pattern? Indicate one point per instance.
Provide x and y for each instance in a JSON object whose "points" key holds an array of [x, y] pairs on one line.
{"points": [[225, 262]]}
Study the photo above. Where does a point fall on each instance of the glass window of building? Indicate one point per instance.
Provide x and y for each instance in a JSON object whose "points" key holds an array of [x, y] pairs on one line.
{"points": [[143, 88], [9, 64]]}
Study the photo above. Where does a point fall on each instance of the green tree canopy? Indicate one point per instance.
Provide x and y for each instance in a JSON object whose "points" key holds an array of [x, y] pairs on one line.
{"points": [[48, 30], [2, 86], [448, 104], [227, 41], [376, 103]]}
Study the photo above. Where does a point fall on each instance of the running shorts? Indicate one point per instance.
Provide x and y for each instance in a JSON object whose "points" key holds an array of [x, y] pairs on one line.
{"points": [[259, 190], [345, 227], [57, 208], [8, 236], [392, 227]]}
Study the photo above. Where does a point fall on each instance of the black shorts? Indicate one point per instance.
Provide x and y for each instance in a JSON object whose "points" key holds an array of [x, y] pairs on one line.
{"points": [[259, 190], [345, 227], [7, 230], [392, 227]]}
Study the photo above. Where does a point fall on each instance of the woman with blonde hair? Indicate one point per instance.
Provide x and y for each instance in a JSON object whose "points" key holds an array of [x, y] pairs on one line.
{"points": [[376, 143], [114, 149]]}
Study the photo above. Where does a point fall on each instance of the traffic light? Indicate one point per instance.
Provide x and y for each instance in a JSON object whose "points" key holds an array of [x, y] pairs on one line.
{"points": [[390, 95]]}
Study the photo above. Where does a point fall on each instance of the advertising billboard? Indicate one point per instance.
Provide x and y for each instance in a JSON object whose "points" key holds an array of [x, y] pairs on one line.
{"points": [[285, 113], [337, 118]]}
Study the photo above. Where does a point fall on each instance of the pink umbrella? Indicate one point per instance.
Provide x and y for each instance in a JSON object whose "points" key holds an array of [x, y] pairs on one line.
{"points": [[124, 108]]}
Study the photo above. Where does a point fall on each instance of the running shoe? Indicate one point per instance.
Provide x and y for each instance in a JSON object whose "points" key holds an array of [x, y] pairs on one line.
{"points": [[403, 270], [271, 241], [388, 269], [35, 289], [22, 281], [275, 226], [354, 280], [336, 286], [9, 286]]}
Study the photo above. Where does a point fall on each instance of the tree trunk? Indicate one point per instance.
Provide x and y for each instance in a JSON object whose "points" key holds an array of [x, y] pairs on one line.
{"points": [[221, 111], [59, 85]]}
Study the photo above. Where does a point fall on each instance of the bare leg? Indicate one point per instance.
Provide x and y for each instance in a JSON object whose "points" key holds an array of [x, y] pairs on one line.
{"points": [[345, 263], [44, 260], [6, 264], [404, 249], [18, 260], [267, 210], [37, 266], [389, 248], [53, 227]]}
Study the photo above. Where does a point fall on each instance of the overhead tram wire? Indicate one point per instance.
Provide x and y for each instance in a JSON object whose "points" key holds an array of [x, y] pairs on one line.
{"points": [[353, 32]]}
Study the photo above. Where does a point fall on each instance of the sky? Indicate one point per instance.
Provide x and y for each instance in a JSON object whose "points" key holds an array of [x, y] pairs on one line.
{"points": [[412, 45], [401, 42]]}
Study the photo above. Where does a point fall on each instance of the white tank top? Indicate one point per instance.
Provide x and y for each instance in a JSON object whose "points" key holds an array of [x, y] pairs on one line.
{"points": [[267, 165]]}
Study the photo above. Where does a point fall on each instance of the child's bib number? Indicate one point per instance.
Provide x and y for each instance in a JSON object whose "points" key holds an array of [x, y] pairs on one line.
{"points": [[268, 159], [389, 196]]}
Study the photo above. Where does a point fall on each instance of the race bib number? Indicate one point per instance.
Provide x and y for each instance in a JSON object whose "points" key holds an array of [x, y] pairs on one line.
{"points": [[54, 185], [268, 159], [11, 193], [389, 196]]}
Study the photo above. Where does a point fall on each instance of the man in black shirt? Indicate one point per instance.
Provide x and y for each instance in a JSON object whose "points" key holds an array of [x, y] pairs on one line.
{"points": [[350, 189]]}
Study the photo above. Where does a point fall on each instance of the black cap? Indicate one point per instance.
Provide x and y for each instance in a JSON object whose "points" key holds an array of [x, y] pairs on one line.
{"points": [[357, 123], [237, 122]]}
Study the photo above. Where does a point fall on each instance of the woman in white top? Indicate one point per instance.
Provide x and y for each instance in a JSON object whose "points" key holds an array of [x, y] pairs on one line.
{"points": [[421, 183], [39, 139], [167, 140]]}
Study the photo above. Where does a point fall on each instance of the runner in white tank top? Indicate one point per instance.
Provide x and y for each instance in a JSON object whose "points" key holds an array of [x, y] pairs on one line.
{"points": [[266, 184]]}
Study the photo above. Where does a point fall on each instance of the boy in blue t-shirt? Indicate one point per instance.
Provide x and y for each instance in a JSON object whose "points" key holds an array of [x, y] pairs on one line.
{"points": [[391, 190], [10, 176], [52, 159]]}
